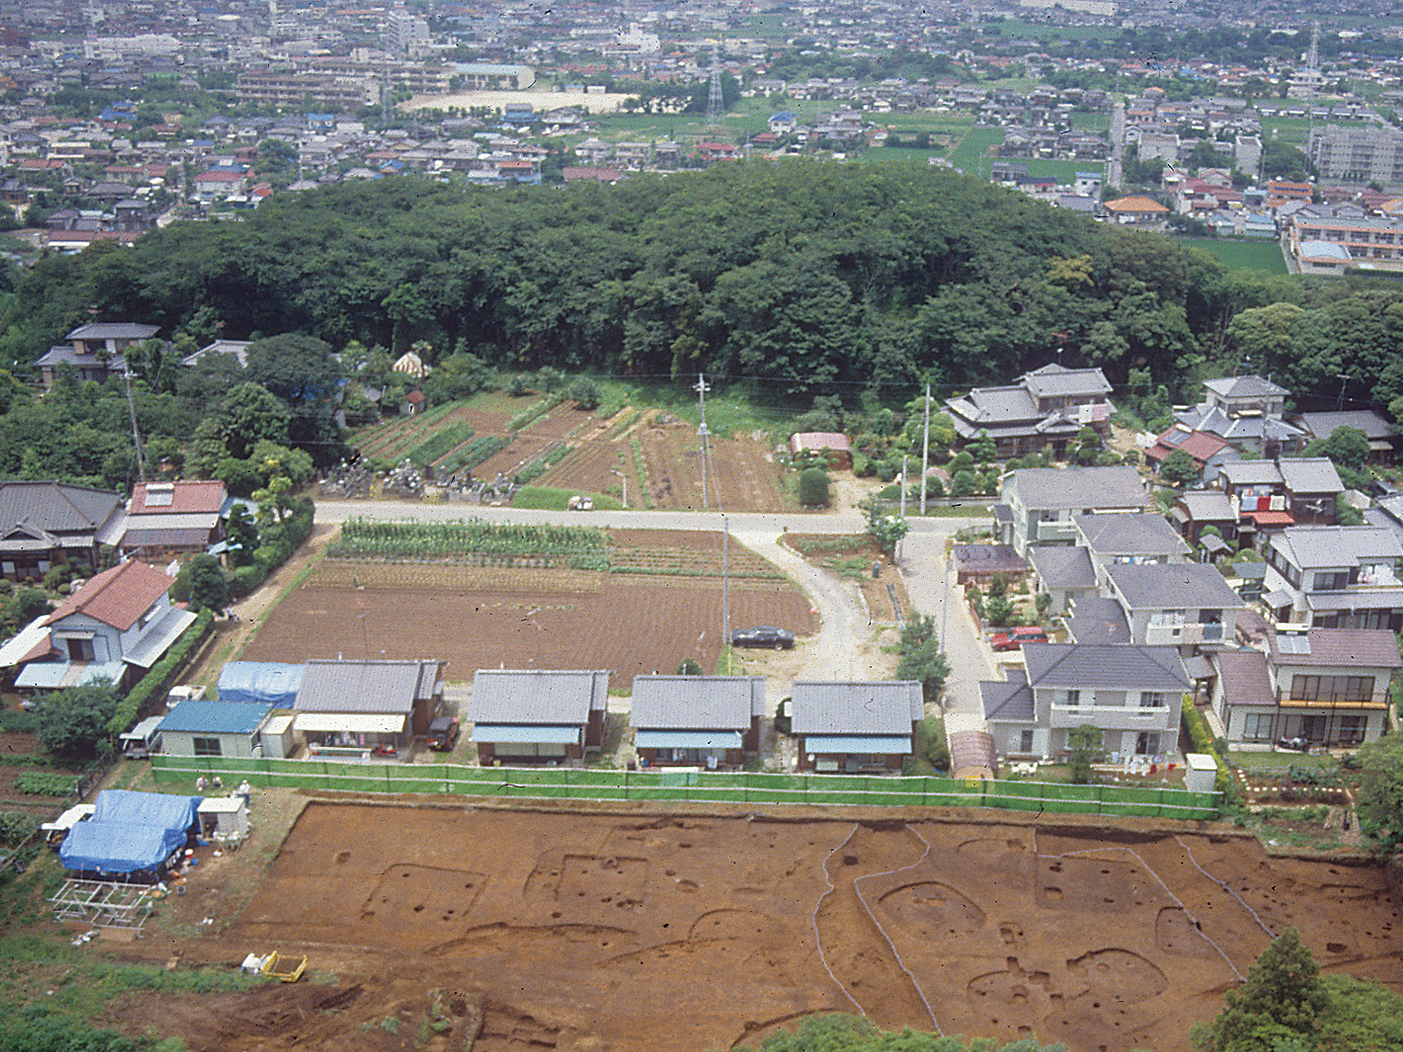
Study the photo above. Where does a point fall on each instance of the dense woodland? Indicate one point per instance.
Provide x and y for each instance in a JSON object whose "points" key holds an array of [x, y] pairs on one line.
{"points": [[802, 278]]}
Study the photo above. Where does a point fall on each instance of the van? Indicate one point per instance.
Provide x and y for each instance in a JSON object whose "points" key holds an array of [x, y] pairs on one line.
{"points": [[143, 739], [186, 693]]}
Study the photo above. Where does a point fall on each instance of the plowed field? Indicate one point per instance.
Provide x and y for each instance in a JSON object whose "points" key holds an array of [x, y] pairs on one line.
{"points": [[643, 931], [485, 617], [743, 474]]}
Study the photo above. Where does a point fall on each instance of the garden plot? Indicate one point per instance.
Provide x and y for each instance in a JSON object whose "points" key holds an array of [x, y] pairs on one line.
{"points": [[743, 476], [531, 608]]}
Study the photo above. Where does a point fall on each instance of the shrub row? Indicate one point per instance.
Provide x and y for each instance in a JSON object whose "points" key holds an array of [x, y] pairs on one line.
{"points": [[277, 543], [163, 674], [19, 721], [45, 783], [439, 443]]}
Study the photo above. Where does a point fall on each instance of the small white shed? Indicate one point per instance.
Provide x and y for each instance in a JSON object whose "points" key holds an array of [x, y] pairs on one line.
{"points": [[275, 738], [1200, 771], [225, 816]]}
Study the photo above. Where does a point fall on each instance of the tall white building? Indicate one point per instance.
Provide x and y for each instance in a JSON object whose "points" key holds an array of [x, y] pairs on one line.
{"points": [[406, 34]]}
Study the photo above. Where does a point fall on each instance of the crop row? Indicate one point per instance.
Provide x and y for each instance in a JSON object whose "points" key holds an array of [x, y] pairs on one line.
{"points": [[476, 451], [440, 442], [364, 537]]}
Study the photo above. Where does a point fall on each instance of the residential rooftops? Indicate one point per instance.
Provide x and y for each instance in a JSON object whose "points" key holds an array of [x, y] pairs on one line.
{"points": [[1080, 488], [1114, 666], [117, 597], [1189, 586]]}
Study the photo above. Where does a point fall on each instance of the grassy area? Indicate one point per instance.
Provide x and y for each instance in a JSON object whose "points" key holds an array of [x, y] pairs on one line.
{"points": [[971, 155], [1263, 254], [891, 154], [1018, 29], [1286, 129], [548, 499]]}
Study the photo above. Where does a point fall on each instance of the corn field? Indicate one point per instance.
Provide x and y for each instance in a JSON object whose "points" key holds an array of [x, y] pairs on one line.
{"points": [[582, 547]]}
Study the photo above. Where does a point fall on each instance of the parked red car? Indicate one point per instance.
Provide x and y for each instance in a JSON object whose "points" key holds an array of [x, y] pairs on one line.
{"points": [[1014, 638]]}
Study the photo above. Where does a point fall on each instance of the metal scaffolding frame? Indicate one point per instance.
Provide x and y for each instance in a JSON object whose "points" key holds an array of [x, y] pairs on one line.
{"points": [[104, 904]]}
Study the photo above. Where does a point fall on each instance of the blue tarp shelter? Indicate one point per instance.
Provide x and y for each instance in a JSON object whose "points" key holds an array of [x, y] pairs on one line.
{"points": [[128, 807], [113, 847], [266, 682], [129, 832]]}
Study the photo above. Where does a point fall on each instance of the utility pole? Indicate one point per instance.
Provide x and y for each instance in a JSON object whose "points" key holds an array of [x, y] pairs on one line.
{"points": [[903, 507], [726, 582], [1340, 402], [925, 452], [701, 388], [136, 434]]}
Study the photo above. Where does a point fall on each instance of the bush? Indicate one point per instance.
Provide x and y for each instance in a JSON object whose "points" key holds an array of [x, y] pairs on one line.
{"points": [[585, 393], [73, 723], [813, 488], [16, 827], [246, 579]]}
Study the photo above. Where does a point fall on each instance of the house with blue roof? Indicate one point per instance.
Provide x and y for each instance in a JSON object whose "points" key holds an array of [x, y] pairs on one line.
{"points": [[215, 729], [783, 122]]}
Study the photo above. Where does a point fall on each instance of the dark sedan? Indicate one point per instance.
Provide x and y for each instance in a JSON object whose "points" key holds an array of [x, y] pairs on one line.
{"points": [[763, 636]]}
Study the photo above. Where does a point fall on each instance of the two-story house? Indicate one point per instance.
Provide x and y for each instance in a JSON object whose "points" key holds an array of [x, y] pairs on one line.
{"points": [[1185, 605], [1205, 450], [1335, 577], [1327, 686], [116, 625], [1045, 409], [1269, 495], [164, 518], [1037, 504], [1246, 412], [1132, 693], [94, 351], [1070, 575]]}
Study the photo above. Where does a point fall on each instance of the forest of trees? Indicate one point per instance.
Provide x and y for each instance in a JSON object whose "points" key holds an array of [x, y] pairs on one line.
{"points": [[809, 278]]}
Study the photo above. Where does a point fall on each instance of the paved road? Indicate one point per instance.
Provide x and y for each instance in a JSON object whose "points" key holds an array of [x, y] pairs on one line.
{"points": [[931, 585]]}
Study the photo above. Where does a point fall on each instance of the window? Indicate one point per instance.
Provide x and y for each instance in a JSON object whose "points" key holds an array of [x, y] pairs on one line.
{"points": [[207, 747], [80, 649], [1334, 689], [1332, 581], [1073, 698], [1025, 741], [1147, 743], [1152, 699], [1256, 726], [1351, 729]]}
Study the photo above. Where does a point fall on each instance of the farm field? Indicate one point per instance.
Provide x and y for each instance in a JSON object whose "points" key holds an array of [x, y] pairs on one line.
{"points": [[13, 778], [744, 471], [647, 617], [598, 930], [743, 475], [971, 154]]}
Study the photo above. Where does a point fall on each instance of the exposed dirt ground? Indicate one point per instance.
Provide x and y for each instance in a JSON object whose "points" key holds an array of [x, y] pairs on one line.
{"points": [[484, 617], [743, 473], [641, 930]]}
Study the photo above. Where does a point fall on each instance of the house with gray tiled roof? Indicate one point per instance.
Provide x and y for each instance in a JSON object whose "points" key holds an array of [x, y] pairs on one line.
{"points": [[1041, 502], [365, 704], [1335, 577], [1383, 437], [537, 716], [93, 351], [1326, 686], [1045, 409], [855, 725], [1174, 604], [1133, 693], [1247, 413], [706, 721], [44, 523]]}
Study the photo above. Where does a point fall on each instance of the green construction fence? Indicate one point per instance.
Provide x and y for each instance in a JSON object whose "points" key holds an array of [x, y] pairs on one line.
{"points": [[681, 786]]}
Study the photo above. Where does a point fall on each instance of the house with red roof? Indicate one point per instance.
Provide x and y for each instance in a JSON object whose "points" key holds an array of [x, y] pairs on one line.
{"points": [[116, 625], [168, 518], [1208, 451]]}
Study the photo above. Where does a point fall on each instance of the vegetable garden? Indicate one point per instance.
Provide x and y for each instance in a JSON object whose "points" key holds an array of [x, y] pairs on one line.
{"points": [[581, 547]]}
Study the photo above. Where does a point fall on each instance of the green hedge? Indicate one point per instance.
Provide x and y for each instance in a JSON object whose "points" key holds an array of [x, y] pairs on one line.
{"points": [[1201, 735], [162, 675]]}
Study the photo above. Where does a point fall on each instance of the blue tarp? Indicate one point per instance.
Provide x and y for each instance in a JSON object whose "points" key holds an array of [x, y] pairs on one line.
{"points": [[130, 831], [115, 847], [266, 682], [126, 807]]}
